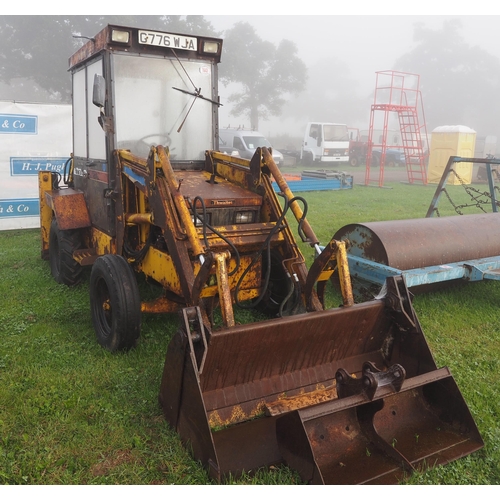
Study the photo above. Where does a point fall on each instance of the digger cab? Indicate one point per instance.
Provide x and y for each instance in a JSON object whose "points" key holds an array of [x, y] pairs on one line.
{"points": [[134, 88]]}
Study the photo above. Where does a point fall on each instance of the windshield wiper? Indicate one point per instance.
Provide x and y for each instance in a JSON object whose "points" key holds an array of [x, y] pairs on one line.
{"points": [[197, 94]]}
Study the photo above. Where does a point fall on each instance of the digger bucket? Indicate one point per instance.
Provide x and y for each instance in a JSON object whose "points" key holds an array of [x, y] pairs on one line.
{"points": [[343, 396], [351, 441]]}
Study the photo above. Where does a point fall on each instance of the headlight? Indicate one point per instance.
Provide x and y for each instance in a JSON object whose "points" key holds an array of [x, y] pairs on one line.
{"points": [[210, 47], [244, 217], [199, 220], [120, 36]]}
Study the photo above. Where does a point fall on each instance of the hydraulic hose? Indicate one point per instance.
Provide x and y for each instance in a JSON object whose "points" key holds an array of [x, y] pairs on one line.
{"points": [[266, 247], [206, 225]]}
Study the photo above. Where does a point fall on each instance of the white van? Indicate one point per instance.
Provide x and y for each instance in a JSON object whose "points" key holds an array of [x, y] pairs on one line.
{"points": [[245, 142], [325, 142]]}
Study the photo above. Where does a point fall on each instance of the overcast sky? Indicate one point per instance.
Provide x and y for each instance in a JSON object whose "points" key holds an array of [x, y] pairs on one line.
{"points": [[367, 35], [367, 43]]}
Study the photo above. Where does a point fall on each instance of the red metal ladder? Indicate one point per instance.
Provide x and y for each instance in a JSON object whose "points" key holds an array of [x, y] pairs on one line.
{"points": [[413, 145], [398, 92]]}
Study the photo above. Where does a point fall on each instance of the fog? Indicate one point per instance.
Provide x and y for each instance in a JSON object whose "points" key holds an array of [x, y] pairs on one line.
{"points": [[364, 44], [344, 47]]}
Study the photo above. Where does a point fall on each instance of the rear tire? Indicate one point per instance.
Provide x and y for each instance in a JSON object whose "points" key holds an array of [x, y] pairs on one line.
{"points": [[115, 303], [62, 244]]}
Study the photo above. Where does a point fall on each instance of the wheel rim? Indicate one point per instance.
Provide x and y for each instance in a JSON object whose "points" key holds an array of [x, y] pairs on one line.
{"points": [[102, 308]]}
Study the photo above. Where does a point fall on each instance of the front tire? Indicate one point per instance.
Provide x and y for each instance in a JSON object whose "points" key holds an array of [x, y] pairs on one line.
{"points": [[62, 244], [115, 303]]}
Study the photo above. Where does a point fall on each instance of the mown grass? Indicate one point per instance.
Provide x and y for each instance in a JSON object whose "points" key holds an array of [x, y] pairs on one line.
{"points": [[72, 413]]}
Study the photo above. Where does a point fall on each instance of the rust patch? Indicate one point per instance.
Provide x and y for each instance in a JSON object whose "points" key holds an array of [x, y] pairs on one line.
{"points": [[303, 400], [70, 209], [237, 415], [98, 175]]}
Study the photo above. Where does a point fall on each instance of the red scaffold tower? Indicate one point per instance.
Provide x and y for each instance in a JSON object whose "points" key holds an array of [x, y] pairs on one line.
{"points": [[397, 94]]}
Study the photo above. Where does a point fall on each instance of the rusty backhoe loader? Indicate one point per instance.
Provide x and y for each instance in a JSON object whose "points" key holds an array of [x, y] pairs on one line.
{"points": [[345, 395]]}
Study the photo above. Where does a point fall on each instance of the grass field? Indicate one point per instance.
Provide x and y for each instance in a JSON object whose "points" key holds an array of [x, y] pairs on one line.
{"points": [[72, 413]]}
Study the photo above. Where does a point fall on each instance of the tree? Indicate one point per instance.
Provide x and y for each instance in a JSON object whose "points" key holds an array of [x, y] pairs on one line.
{"points": [[330, 95], [266, 74], [459, 83], [37, 45], [36, 49], [196, 25]]}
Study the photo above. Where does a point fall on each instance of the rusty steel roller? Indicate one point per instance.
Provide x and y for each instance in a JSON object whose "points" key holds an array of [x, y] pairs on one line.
{"points": [[416, 243]]}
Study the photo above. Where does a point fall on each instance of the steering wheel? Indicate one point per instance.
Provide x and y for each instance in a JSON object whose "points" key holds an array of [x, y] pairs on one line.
{"points": [[142, 146], [165, 139]]}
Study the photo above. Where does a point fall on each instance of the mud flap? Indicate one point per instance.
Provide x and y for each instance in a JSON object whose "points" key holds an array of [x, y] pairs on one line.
{"points": [[382, 441]]}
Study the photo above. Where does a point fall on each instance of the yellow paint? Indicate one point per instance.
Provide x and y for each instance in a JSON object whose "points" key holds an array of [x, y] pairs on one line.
{"points": [[102, 242], [160, 266], [45, 185]]}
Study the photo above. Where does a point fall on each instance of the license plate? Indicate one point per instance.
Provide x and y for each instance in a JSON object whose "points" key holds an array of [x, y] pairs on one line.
{"points": [[169, 40]]}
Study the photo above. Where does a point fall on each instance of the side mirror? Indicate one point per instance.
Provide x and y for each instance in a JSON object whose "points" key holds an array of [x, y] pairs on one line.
{"points": [[99, 91]]}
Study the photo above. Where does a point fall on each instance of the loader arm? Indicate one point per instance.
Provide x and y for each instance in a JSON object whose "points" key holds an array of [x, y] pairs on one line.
{"points": [[202, 260], [330, 258]]}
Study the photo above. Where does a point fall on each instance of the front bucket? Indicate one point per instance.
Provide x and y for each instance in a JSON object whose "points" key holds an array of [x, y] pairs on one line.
{"points": [[347, 395], [351, 441]]}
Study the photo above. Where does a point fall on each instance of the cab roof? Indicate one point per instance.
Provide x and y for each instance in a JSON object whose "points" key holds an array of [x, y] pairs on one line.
{"points": [[105, 41]]}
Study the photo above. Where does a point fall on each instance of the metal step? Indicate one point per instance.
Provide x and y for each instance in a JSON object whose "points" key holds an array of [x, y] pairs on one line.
{"points": [[85, 256]]}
